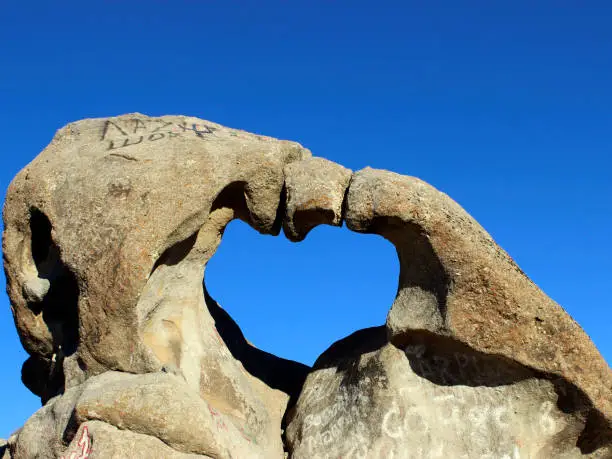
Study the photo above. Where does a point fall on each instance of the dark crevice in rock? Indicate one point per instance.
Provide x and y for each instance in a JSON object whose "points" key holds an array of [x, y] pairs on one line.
{"points": [[344, 206], [281, 212], [71, 429], [40, 228], [35, 374], [596, 434], [59, 308]]}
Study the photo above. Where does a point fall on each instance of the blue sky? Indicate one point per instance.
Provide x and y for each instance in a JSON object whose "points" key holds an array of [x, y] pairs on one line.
{"points": [[505, 106]]}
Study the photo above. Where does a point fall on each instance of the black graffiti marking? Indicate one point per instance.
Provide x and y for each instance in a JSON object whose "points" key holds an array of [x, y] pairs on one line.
{"points": [[153, 137], [131, 141], [106, 126], [121, 155], [194, 128], [126, 143], [138, 125], [165, 124]]}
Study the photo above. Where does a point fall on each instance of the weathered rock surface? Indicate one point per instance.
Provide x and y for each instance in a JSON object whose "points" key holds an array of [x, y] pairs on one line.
{"points": [[315, 190], [107, 236], [369, 398], [161, 408], [113, 442]]}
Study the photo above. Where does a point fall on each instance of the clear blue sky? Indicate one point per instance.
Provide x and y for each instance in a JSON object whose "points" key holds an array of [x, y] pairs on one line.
{"points": [[506, 106]]}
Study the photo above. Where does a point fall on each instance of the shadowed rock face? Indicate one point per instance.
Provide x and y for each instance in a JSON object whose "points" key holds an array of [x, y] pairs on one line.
{"points": [[107, 236]]}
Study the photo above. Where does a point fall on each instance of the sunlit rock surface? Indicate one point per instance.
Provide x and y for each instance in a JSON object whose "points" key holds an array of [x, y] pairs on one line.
{"points": [[107, 236]]}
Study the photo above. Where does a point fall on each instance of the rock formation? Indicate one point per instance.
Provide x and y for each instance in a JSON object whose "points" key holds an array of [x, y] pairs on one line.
{"points": [[107, 234]]}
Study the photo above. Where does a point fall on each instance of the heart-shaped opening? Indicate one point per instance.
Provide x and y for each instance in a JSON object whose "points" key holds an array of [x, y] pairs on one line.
{"points": [[296, 299]]}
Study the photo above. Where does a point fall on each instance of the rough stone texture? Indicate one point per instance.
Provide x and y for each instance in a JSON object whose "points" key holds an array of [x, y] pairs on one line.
{"points": [[368, 398], [315, 195], [456, 282], [107, 236], [160, 407], [111, 442]]}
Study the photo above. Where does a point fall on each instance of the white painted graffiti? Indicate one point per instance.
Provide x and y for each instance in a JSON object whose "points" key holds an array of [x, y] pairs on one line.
{"points": [[453, 405], [84, 443]]}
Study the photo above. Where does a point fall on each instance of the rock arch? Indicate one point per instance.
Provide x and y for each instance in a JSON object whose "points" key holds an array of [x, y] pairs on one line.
{"points": [[136, 217]]}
